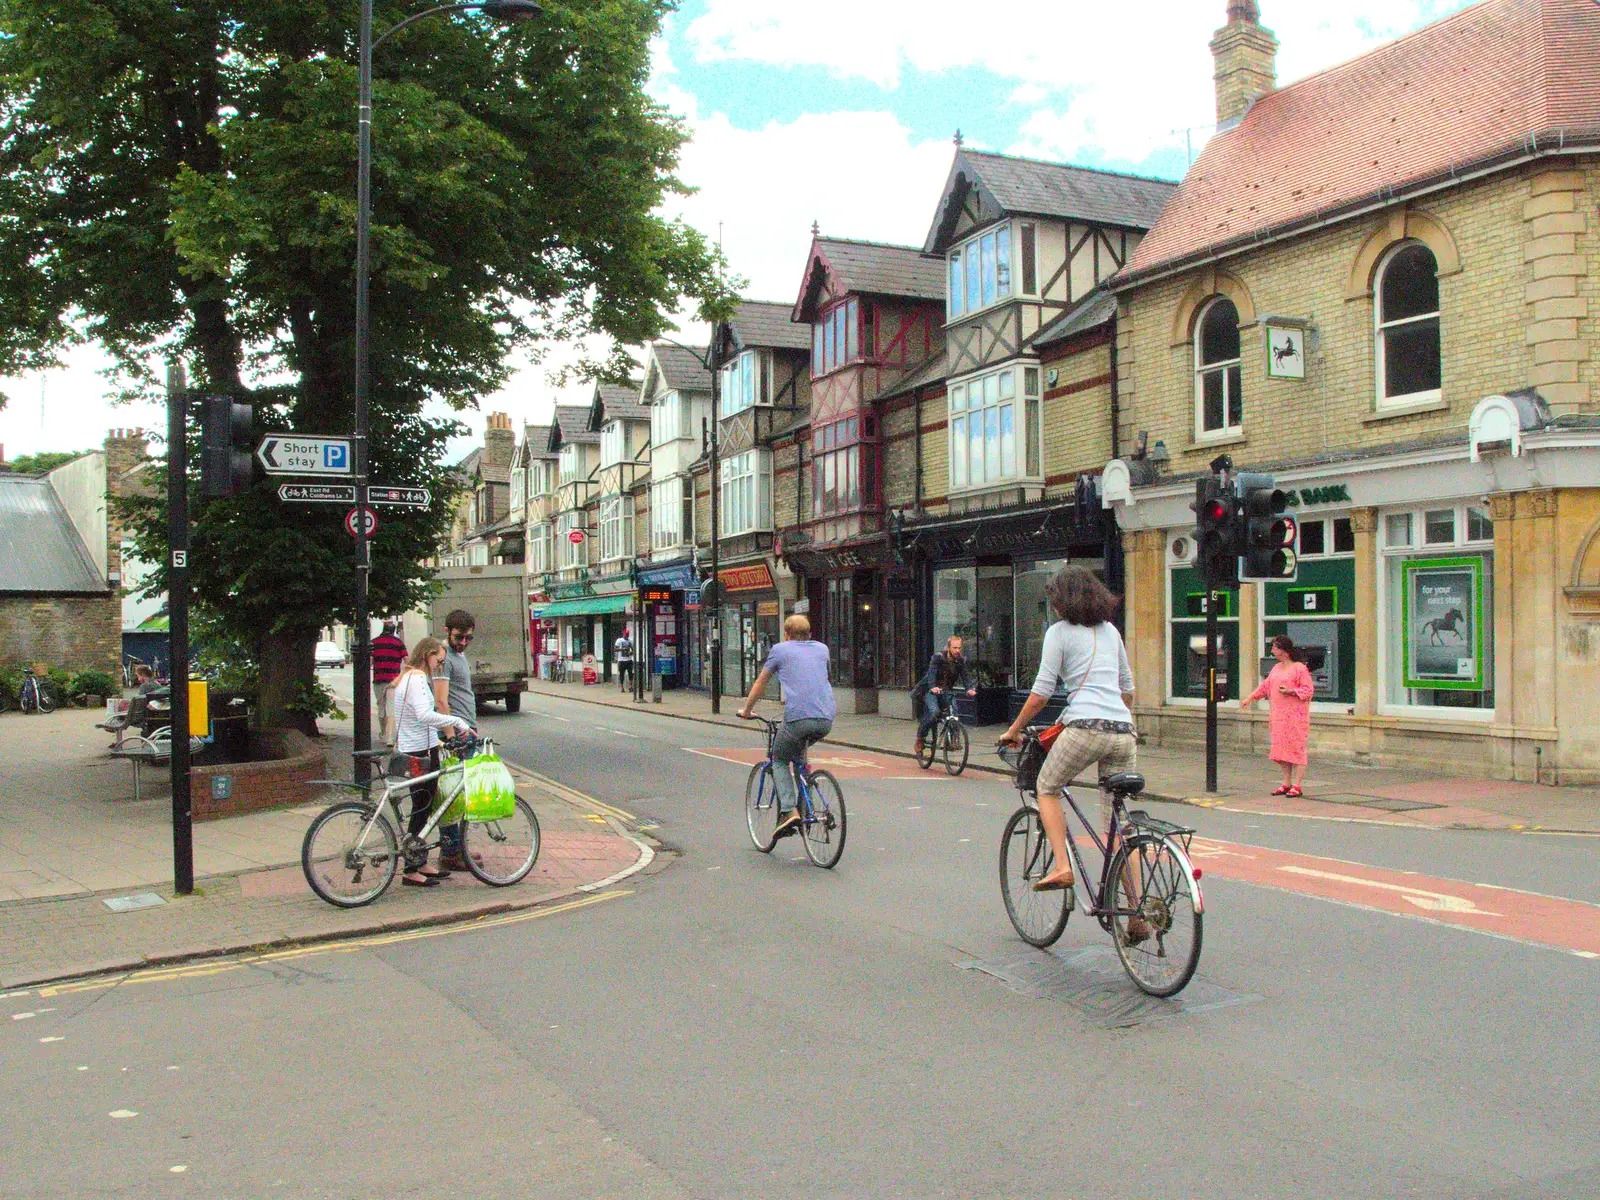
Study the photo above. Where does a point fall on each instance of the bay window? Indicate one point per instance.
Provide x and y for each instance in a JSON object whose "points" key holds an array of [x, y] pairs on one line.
{"points": [[745, 500], [843, 467], [671, 512], [571, 462], [616, 528], [539, 558], [613, 444], [837, 339], [668, 420], [980, 271], [986, 427], [746, 382], [572, 554]]}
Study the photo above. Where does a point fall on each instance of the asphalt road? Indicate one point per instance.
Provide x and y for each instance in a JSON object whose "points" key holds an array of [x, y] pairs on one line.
{"points": [[740, 1025]]}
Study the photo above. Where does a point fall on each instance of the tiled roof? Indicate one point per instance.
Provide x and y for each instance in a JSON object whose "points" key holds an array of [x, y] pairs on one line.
{"points": [[1500, 80], [40, 550], [683, 369], [1028, 186], [571, 424], [616, 402], [1093, 311], [768, 325], [871, 268], [536, 442], [467, 468]]}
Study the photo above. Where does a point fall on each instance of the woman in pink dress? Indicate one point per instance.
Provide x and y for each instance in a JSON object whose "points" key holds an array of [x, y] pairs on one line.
{"points": [[1288, 688]]}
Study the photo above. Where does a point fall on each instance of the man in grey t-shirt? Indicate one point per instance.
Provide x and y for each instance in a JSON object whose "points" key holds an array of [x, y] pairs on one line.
{"points": [[801, 666], [452, 692]]}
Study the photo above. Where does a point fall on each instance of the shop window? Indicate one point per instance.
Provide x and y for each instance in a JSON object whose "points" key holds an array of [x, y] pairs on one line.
{"points": [[1033, 615], [955, 604], [1397, 530], [1480, 526], [1408, 369], [1219, 381], [1439, 527], [1344, 536], [1326, 535]]}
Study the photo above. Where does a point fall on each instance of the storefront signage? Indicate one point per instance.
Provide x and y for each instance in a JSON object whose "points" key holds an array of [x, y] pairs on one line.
{"points": [[753, 578], [1196, 604], [899, 587], [681, 576], [1442, 623], [655, 595], [1333, 493], [1286, 352], [1312, 600], [691, 599], [767, 608]]}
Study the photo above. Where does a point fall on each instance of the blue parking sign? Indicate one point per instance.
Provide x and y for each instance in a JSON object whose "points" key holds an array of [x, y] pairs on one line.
{"points": [[335, 457]]}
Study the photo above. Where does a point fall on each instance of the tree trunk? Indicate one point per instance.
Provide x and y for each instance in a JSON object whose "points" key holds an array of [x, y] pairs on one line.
{"points": [[288, 673]]}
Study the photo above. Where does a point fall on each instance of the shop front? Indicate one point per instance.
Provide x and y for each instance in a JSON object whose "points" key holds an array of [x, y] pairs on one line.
{"points": [[587, 619], [751, 622], [862, 603], [984, 579], [666, 594]]}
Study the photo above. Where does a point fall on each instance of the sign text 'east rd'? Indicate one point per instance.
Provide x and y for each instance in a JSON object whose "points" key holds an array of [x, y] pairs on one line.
{"points": [[317, 493], [288, 454]]}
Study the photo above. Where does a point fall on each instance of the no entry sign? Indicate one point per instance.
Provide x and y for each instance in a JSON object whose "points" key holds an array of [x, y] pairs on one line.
{"points": [[359, 522]]}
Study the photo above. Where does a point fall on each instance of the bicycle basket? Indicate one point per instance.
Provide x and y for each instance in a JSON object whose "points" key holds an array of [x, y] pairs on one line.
{"points": [[1025, 760]]}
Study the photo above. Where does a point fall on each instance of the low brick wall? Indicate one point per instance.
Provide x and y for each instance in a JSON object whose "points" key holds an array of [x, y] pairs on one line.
{"points": [[289, 761]]}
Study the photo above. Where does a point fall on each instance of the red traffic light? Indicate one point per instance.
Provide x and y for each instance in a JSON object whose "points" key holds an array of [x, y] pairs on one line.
{"points": [[1214, 510]]}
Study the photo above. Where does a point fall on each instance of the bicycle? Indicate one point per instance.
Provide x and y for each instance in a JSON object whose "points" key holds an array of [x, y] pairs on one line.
{"points": [[947, 737], [33, 695], [351, 851], [558, 671], [1141, 854], [821, 801]]}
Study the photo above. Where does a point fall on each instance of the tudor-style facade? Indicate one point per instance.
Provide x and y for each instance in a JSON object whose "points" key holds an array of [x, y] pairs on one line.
{"points": [[573, 509], [1401, 328]]}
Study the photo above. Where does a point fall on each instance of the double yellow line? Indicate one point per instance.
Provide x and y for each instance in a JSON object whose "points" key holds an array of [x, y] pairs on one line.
{"points": [[580, 799]]}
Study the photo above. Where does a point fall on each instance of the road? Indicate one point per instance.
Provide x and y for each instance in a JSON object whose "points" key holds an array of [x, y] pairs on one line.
{"points": [[1379, 1012]]}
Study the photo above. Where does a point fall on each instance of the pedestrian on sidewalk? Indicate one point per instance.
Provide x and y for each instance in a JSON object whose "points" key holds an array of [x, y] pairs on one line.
{"points": [[452, 691], [801, 666], [1288, 689], [417, 726], [388, 657], [622, 650]]}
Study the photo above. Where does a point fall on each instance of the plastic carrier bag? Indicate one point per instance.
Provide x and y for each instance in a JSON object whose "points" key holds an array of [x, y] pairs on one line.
{"points": [[487, 790]]}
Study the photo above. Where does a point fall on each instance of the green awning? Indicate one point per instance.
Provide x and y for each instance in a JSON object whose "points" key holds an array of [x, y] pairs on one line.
{"points": [[586, 606]]}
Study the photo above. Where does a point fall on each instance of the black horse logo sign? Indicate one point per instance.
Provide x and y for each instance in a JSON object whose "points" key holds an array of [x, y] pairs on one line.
{"points": [[1449, 623], [1282, 354]]}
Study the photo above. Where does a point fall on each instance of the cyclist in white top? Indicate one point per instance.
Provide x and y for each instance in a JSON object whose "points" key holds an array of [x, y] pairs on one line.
{"points": [[417, 727]]}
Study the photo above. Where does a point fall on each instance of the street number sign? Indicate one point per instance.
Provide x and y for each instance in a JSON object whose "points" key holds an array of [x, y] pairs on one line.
{"points": [[288, 454], [575, 537], [317, 493], [399, 497], [355, 525]]}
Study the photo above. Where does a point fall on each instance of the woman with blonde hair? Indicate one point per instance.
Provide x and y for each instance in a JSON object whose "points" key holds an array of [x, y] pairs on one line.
{"points": [[417, 727]]}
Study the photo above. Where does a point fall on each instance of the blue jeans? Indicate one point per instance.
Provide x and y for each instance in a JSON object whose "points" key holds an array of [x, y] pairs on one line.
{"points": [[933, 708], [794, 738]]}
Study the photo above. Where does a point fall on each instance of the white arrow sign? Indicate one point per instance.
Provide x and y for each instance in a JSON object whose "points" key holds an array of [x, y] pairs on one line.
{"points": [[288, 454]]}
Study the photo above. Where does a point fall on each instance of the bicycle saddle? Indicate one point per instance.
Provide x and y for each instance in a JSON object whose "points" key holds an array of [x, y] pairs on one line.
{"points": [[1124, 783]]}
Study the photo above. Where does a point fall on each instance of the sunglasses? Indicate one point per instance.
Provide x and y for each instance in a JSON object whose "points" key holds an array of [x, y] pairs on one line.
{"points": [[461, 637]]}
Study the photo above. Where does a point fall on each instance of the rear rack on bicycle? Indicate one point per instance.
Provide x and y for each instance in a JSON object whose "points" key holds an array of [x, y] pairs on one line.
{"points": [[1144, 820]]}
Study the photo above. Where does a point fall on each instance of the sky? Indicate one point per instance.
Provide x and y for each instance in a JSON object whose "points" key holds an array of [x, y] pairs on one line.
{"points": [[843, 113]]}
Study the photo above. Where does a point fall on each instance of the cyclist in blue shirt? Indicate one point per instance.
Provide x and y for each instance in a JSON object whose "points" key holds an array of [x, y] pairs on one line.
{"points": [[801, 666]]}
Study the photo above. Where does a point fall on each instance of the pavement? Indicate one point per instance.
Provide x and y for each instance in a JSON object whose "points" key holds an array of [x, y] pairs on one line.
{"points": [[1336, 791], [72, 837]]}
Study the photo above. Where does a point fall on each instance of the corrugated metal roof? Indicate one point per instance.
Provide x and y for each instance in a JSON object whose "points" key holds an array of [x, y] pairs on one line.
{"points": [[1093, 311], [40, 550], [759, 323]]}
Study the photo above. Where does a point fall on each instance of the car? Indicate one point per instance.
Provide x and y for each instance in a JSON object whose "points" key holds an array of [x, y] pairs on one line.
{"points": [[329, 655]]}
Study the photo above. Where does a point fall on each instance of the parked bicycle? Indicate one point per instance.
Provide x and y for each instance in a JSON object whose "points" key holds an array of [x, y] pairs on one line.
{"points": [[819, 798], [35, 694], [558, 671], [947, 739], [1143, 858], [352, 851]]}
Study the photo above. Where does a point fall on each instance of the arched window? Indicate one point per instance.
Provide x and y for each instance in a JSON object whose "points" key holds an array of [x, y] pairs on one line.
{"points": [[1408, 326], [1218, 386]]}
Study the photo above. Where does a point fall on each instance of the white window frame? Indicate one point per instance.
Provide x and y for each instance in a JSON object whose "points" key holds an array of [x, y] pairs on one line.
{"points": [[668, 512], [996, 279], [571, 556], [519, 488], [613, 443], [745, 501], [1009, 391], [1381, 328], [616, 528], [571, 462], [539, 549], [1224, 367], [1416, 544], [746, 383], [667, 420]]}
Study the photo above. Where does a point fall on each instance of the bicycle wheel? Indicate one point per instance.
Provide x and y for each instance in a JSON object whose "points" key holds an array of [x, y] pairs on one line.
{"points": [[761, 806], [927, 747], [501, 853], [1025, 858], [27, 697], [47, 699], [825, 825], [345, 863], [1164, 961], [956, 746]]}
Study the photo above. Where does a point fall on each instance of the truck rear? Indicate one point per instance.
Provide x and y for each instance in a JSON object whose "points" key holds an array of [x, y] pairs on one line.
{"points": [[499, 649]]}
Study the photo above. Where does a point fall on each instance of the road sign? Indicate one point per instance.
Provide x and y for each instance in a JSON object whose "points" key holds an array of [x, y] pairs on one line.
{"points": [[317, 493], [399, 497], [575, 537], [353, 523], [289, 454]]}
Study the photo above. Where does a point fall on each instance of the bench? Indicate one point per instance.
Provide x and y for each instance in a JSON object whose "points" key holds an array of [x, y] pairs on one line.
{"points": [[152, 751], [130, 717]]}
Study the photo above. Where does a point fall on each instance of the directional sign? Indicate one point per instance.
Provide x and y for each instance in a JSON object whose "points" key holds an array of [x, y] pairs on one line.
{"points": [[355, 526], [399, 497], [289, 454], [317, 493]]}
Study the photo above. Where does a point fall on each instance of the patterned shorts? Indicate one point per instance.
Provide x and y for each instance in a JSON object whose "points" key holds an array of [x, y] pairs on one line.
{"points": [[1076, 748]]}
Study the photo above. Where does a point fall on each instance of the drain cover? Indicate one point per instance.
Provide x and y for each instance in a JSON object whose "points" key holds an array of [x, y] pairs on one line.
{"points": [[1386, 803], [1091, 979], [135, 901]]}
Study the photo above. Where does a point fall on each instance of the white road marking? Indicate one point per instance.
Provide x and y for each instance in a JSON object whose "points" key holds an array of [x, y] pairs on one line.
{"points": [[20, 1016], [966, 839], [178, 1170], [52, 1039], [713, 868], [624, 733], [1586, 954], [122, 1114], [13, 995], [913, 807], [83, 1068], [1433, 901]]}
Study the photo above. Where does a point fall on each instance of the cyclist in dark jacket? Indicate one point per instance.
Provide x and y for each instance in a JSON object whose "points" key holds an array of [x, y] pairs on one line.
{"points": [[946, 675]]}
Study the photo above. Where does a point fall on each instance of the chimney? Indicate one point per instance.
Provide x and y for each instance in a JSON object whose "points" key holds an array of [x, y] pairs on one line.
{"points": [[1245, 55]]}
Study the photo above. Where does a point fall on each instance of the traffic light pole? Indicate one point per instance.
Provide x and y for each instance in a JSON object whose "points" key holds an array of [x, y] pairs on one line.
{"points": [[178, 625], [1211, 689]]}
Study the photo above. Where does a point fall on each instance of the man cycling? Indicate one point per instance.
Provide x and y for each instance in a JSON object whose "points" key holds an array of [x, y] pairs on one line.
{"points": [[801, 666], [946, 675]]}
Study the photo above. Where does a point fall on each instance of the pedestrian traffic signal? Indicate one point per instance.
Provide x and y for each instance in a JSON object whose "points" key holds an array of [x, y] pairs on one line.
{"points": [[226, 463], [1267, 536], [1214, 520]]}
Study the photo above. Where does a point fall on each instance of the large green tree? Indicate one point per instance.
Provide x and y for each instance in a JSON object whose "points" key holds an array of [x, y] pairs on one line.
{"points": [[179, 176]]}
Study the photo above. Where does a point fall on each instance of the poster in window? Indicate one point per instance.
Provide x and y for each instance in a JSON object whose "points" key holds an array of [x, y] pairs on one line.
{"points": [[1442, 622], [1286, 352]]}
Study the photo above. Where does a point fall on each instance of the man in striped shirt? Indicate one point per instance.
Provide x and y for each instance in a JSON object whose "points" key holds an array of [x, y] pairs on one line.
{"points": [[388, 657]]}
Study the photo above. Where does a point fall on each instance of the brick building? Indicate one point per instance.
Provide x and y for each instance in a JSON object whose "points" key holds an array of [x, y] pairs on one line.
{"points": [[1380, 284]]}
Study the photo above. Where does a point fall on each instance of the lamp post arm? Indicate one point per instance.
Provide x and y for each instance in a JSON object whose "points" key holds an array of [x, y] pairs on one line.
{"points": [[415, 17]]}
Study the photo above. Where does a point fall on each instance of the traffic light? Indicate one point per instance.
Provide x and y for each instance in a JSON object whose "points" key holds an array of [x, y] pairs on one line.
{"points": [[1214, 520], [225, 449], [1267, 537]]}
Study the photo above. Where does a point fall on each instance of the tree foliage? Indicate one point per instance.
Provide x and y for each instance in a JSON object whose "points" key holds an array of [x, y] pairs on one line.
{"points": [[39, 464], [179, 176]]}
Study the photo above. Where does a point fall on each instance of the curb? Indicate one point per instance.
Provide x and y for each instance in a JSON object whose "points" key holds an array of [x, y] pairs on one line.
{"points": [[646, 857]]}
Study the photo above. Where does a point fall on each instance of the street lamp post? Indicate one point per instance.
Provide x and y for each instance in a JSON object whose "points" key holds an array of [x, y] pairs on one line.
{"points": [[509, 12]]}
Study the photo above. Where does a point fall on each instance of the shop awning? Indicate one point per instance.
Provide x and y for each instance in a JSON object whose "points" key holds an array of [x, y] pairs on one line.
{"points": [[586, 606]]}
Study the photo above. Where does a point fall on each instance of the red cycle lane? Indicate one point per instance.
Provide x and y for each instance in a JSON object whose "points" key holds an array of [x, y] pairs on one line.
{"points": [[1569, 925]]}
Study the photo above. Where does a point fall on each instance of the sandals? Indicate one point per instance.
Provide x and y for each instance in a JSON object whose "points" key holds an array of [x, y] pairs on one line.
{"points": [[1294, 792], [1281, 790], [425, 881]]}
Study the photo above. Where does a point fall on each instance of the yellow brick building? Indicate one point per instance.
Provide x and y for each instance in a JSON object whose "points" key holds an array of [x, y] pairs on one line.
{"points": [[1381, 285]]}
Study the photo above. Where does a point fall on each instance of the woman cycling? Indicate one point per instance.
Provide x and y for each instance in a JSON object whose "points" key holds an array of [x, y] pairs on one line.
{"points": [[1083, 652], [417, 723]]}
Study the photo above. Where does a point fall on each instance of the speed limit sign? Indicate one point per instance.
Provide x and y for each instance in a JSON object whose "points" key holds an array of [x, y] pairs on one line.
{"points": [[360, 522]]}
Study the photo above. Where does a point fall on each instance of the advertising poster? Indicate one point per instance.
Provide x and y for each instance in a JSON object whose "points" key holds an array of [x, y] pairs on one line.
{"points": [[1443, 625]]}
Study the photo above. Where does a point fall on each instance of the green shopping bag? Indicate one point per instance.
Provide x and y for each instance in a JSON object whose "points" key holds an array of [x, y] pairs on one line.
{"points": [[452, 790], [487, 789]]}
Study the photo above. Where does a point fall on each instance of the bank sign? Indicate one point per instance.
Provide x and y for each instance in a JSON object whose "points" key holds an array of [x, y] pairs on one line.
{"points": [[1333, 493]]}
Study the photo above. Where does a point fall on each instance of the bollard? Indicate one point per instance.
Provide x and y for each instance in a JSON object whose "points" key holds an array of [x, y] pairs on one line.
{"points": [[655, 688]]}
